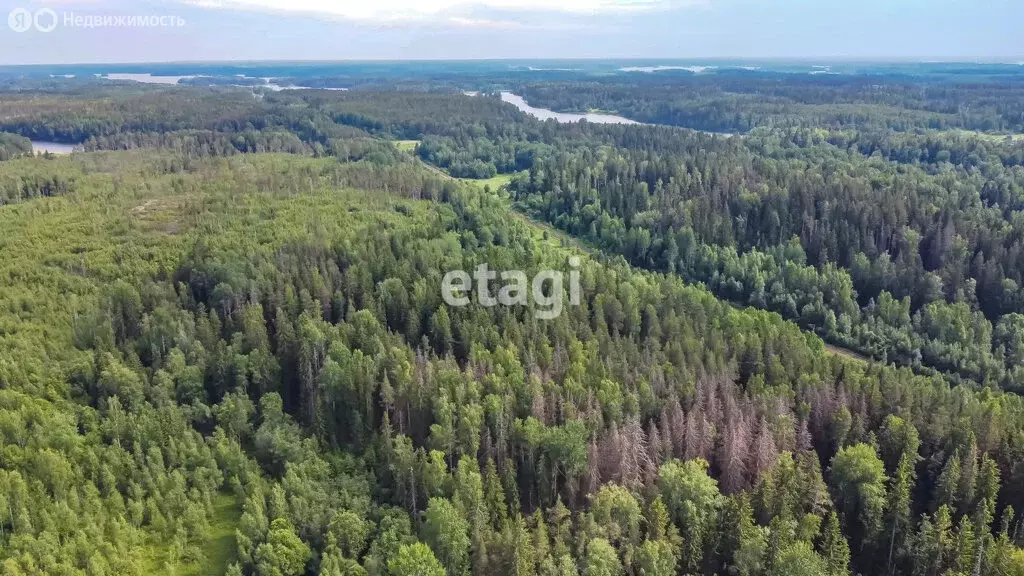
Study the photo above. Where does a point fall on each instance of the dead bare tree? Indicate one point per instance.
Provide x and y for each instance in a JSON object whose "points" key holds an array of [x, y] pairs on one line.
{"points": [[734, 453], [637, 466], [764, 452], [655, 449]]}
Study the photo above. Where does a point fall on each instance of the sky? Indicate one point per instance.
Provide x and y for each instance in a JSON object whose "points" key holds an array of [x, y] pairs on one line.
{"points": [[218, 30]]}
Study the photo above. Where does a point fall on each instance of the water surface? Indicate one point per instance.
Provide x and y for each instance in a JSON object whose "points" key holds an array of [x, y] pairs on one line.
{"points": [[565, 117], [649, 69], [147, 78], [175, 80], [42, 146]]}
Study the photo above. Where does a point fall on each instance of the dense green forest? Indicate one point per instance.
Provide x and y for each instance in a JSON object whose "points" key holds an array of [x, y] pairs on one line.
{"points": [[224, 348], [742, 101], [14, 146], [915, 262]]}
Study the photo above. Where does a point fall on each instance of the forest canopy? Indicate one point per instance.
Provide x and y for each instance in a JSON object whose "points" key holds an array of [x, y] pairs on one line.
{"points": [[224, 347]]}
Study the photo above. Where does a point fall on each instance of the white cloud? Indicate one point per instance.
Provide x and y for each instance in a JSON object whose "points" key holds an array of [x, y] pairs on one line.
{"points": [[412, 10], [464, 22]]}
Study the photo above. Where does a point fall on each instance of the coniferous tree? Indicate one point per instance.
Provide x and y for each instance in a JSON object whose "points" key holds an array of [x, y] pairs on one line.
{"points": [[834, 548]]}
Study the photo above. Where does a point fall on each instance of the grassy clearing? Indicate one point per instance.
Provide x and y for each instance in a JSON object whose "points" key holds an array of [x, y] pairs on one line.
{"points": [[544, 233], [496, 183], [846, 353], [407, 145], [219, 550], [991, 137]]}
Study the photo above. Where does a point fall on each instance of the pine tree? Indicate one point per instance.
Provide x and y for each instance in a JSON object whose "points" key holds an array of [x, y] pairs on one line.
{"points": [[810, 493], [966, 545], [781, 535], [560, 521], [984, 514], [748, 540], [834, 548], [968, 477], [658, 522], [935, 546], [494, 497], [946, 487], [520, 547], [987, 491], [898, 509], [541, 543]]}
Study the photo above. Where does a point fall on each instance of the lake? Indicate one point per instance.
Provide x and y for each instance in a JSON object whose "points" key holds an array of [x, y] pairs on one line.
{"points": [[565, 117], [649, 69], [41, 147], [175, 80], [147, 78]]}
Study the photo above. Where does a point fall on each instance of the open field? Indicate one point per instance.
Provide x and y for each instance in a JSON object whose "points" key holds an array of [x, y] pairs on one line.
{"points": [[495, 182]]}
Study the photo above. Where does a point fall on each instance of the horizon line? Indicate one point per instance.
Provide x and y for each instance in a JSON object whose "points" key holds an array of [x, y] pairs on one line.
{"points": [[1007, 60]]}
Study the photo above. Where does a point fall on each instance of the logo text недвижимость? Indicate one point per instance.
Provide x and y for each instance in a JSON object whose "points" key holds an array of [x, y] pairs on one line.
{"points": [[47, 20]]}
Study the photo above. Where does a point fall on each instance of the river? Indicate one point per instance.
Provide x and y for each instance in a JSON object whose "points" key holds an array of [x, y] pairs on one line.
{"points": [[41, 147], [565, 117]]}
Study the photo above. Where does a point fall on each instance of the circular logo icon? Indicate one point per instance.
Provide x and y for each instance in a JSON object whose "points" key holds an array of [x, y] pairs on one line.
{"points": [[45, 20], [20, 20]]}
